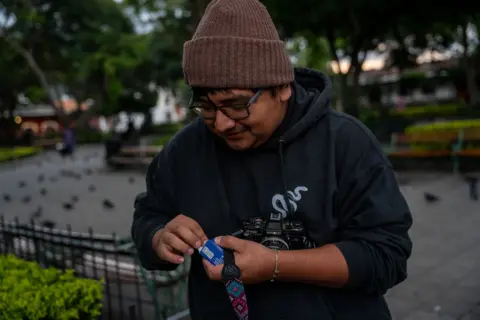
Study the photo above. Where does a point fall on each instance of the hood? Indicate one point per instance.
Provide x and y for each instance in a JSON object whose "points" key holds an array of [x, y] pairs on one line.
{"points": [[310, 101], [312, 94]]}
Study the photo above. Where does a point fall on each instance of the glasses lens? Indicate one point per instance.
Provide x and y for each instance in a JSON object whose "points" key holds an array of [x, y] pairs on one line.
{"points": [[237, 112]]}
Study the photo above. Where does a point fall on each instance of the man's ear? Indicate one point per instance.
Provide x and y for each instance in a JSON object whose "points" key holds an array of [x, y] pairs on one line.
{"points": [[284, 93]]}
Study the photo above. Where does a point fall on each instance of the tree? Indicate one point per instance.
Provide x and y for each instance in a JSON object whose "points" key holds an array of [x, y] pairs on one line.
{"points": [[352, 29], [56, 38]]}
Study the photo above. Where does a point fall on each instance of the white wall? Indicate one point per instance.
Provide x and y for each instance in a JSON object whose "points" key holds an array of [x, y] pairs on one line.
{"points": [[165, 105]]}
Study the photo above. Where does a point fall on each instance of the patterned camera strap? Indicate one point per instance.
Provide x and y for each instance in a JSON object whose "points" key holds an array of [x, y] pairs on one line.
{"points": [[236, 293], [234, 286]]}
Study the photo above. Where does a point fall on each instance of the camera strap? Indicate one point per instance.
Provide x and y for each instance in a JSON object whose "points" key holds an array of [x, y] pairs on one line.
{"points": [[233, 284]]}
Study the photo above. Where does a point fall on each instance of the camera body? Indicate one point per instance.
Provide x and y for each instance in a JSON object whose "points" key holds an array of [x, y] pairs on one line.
{"points": [[277, 233]]}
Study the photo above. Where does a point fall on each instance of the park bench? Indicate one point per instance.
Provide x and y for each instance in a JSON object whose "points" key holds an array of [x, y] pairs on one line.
{"points": [[401, 144], [47, 143], [134, 156], [463, 150], [448, 143]]}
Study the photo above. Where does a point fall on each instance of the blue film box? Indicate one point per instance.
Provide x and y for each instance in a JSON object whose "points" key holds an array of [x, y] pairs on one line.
{"points": [[212, 252]]}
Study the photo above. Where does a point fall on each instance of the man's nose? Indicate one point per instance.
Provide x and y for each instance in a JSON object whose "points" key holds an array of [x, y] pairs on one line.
{"points": [[222, 122]]}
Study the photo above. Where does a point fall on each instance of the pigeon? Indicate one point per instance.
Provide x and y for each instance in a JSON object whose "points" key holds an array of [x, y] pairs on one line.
{"points": [[131, 180], [27, 199], [22, 184], [67, 206], [7, 198], [43, 191], [49, 224], [88, 172], [108, 204], [41, 178], [430, 198], [92, 188], [74, 199], [37, 213]]}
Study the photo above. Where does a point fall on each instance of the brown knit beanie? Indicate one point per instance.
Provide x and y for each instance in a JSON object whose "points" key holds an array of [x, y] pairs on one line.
{"points": [[236, 45]]}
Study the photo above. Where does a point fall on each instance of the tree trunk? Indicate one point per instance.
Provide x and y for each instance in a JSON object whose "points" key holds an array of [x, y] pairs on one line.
{"points": [[40, 75], [469, 66]]}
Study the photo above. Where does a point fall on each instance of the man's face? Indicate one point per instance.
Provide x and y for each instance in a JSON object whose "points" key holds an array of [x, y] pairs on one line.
{"points": [[248, 127]]}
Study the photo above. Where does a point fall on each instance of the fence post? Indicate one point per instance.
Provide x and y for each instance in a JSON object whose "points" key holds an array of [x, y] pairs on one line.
{"points": [[16, 234], [94, 265], [132, 313], [107, 281], [117, 276], [137, 285]]}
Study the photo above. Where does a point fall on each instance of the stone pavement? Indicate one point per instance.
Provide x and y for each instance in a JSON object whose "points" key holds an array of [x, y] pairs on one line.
{"points": [[444, 270], [88, 211]]}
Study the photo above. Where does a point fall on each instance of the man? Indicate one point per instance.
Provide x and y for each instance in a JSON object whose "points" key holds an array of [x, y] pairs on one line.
{"points": [[267, 144], [68, 146]]}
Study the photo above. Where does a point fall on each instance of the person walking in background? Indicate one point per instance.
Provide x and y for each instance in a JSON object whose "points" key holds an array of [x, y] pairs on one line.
{"points": [[301, 194], [69, 141]]}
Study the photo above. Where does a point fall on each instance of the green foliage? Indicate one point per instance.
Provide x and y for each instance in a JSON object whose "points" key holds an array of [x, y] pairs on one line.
{"points": [[416, 112], [165, 132], [161, 141], [91, 136], [7, 154], [455, 125], [167, 128], [29, 292]]}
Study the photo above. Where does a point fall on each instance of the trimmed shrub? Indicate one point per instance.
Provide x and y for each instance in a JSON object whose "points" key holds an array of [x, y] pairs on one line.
{"points": [[455, 125], [7, 154], [30, 292], [160, 141]]}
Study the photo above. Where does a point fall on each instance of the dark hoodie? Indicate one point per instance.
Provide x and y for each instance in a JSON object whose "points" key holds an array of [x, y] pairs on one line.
{"points": [[338, 181]]}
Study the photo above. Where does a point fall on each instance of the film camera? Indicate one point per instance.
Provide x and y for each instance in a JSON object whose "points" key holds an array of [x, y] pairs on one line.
{"points": [[276, 233]]}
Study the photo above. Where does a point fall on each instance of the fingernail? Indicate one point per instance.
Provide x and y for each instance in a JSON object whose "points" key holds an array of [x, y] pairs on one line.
{"points": [[180, 260], [218, 239], [197, 244], [190, 251]]}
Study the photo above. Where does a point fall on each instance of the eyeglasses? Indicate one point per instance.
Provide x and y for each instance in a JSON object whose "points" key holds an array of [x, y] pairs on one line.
{"points": [[208, 110]]}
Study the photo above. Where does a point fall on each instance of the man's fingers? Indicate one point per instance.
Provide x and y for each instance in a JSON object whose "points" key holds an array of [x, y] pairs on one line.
{"points": [[196, 229], [230, 242], [188, 236], [213, 272], [167, 254], [176, 243]]}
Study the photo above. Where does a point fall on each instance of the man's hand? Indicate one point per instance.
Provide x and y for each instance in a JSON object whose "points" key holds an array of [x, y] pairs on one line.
{"points": [[256, 262], [182, 235]]}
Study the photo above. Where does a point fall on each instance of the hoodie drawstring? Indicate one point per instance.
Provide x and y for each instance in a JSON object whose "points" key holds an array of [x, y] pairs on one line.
{"points": [[284, 178]]}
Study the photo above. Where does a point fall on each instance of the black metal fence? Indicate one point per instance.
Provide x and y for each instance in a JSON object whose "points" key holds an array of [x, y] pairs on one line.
{"points": [[130, 292]]}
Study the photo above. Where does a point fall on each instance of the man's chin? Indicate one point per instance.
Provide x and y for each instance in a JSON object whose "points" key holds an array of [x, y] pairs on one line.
{"points": [[239, 144]]}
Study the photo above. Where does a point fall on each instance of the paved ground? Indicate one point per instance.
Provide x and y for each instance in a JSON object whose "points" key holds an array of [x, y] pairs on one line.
{"points": [[88, 211], [444, 271]]}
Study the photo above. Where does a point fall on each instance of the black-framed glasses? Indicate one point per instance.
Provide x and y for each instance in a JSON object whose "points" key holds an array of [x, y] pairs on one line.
{"points": [[208, 110]]}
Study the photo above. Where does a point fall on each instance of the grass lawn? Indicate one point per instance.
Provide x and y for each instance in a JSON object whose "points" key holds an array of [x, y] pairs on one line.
{"points": [[7, 154]]}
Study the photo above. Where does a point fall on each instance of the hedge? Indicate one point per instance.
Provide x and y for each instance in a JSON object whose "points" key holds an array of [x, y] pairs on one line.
{"points": [[415, 111], [160, 141], [30, 292], [8, 154], [455, 125]]}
